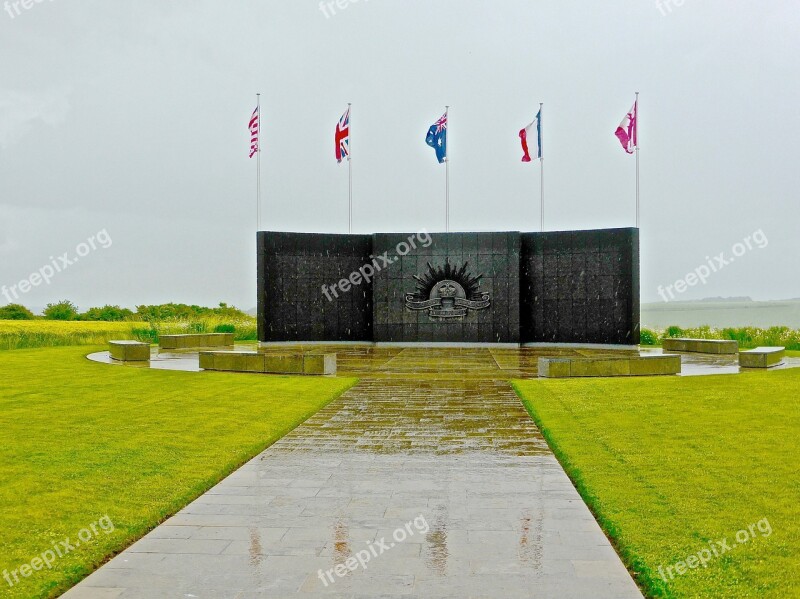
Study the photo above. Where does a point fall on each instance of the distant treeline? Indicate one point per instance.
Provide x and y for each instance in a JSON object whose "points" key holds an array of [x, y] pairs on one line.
{"points": [[65, 310]]}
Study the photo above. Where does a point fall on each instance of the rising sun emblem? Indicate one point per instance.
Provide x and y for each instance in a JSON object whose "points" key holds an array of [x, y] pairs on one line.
{"points": [[448, 292]]}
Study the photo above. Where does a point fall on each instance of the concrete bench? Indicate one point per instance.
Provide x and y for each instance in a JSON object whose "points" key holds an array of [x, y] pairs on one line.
{"points": [[563, 368], [195, 340], [701, 346], [762, 357], [296, 363], [129, 351]]}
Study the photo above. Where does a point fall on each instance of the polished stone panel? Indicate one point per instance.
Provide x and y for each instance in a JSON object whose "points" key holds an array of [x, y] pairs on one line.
{"points": [[656, 365], [129, 351], [762, 357], [292, 270], [284, 363], [324, 364], [573, 367], [270, 363], [702, 346], [580, 287], [195, 340]]}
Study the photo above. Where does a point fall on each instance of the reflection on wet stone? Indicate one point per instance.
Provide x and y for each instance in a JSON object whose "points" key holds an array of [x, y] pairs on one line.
{"points": [[341, 543], [256, 551], [530, 539], [436, 558]]}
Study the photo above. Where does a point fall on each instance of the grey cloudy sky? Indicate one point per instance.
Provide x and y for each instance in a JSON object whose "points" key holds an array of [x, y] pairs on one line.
{"points": [[132, 118]]}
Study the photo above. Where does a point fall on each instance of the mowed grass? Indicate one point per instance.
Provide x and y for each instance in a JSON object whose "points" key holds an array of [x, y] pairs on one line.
{"points": [[670, 465], [81, 440]]}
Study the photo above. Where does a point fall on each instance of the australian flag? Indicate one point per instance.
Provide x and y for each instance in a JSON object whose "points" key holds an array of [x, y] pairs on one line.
{"points": [[437, 138]]}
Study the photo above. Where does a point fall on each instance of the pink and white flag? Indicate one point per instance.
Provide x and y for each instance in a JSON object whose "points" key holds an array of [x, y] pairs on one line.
{"points": [[628, 130]]}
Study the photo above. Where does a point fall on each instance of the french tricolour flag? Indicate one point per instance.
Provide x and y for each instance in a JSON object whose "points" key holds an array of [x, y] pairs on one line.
{"points": [[531, 137]]}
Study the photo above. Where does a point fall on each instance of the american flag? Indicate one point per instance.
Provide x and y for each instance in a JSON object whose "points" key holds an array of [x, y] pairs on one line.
{"points": [[342, 138], [255, 123]]}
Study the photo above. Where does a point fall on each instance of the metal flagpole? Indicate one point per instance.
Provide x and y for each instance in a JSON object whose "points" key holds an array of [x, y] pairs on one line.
{"points": [[447, 174], [350, 167], [258, 166], [541, 160], [637, 160]]}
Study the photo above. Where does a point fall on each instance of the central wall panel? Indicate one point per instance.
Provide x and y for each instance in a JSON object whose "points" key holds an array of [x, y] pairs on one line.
{"points": [[481, 265]]}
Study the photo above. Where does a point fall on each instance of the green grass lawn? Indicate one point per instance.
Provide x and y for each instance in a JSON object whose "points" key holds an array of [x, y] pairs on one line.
{"points": [[80, 441], [670, 464]]}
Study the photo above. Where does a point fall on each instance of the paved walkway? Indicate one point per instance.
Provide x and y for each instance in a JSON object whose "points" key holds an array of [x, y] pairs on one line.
{"points": [[437, 486]]}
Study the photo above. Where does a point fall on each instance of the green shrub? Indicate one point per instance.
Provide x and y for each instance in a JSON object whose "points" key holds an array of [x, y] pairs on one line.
{"points": [[15, 312], [648, 337], [107, 314], [673, 332], [225, 328], [63, 310]]}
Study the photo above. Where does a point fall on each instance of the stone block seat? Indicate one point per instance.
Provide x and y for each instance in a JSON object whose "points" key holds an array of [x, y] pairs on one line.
{"points": [[762, 357], [567, 367], [129, 351], [269, 363], [195, 340], [701, 346]]}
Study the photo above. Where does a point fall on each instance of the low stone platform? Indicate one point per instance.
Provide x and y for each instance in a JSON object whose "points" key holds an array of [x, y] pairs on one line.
{"points": [[762, 357], [195, 340], [701, 346], [566, 367], [129, 351], [269, 363]]}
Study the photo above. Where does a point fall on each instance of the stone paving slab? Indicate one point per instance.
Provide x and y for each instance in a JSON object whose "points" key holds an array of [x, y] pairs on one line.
{"points": [[456, 464]]}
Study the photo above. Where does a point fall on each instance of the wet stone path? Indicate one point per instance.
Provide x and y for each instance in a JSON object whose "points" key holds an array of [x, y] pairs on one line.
{"points": [[428, 479]]}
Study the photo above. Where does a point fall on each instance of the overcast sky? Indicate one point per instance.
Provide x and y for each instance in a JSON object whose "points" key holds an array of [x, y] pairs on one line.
{"points": [[131, 118]]}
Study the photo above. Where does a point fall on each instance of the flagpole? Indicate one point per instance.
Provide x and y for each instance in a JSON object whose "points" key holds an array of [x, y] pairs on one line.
{"points": [[350, 167], [637, 160], [541, 160], [258, 166], [447, 174]]}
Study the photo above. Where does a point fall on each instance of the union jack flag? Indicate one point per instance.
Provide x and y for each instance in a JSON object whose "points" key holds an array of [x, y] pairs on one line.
{"points": [[255, 124], [342, 137], [441, 123]]}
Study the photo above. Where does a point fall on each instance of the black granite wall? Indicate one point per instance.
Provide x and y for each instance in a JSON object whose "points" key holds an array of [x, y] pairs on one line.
{"points": [[561, 287], [580, 287], [292, 268], [491, 258]]}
